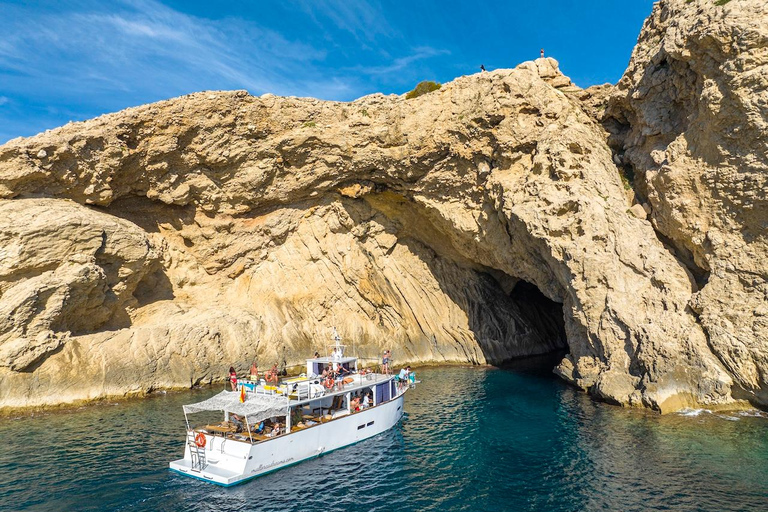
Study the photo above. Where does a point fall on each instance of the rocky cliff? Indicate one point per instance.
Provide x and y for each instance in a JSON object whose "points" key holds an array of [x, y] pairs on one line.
{"points": [[481, 222]]}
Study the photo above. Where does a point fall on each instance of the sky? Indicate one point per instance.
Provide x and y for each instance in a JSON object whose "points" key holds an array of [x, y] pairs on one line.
{"points": [[63, 60]]}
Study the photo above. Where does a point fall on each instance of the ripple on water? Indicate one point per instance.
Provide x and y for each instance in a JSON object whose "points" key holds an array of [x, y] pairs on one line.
{"points": [[472, 439]]}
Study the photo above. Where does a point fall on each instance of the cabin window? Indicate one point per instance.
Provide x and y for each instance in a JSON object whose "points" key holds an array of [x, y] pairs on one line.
{"points": [[369, 423], [382, 393], [360, 427]]}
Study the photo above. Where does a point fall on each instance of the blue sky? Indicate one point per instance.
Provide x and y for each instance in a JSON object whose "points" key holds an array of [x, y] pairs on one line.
{"points": [[66, 61]]}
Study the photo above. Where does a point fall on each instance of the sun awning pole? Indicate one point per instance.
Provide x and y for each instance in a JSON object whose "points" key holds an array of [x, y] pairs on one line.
{"points": [[186, 420], [288, 416], [248, 425]]}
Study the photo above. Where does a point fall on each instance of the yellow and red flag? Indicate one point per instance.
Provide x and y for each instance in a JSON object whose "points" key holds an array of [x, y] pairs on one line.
{"points": [[242, 394]]}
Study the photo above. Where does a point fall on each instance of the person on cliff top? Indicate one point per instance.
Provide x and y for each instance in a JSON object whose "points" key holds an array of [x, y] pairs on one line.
{"points": [[233, 378], [542, 53], [482, 67]]}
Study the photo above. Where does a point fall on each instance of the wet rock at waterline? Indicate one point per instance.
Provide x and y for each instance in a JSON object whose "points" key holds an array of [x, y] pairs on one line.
{"points": [[218, 228]]}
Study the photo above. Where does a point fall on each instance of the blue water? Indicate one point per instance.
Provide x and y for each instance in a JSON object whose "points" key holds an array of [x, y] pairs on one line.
{"points": [[473, 439]]}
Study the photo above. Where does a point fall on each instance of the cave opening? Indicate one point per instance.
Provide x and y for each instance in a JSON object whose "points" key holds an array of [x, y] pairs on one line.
{"points": [[546, 317]]}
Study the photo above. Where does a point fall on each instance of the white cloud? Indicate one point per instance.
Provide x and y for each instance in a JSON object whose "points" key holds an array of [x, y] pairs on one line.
{"points": [[148, 47], [75, 60]]}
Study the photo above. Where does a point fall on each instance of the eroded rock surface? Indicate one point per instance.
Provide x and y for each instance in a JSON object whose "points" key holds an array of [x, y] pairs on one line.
{"points": [[163, 243], [691, 118]]}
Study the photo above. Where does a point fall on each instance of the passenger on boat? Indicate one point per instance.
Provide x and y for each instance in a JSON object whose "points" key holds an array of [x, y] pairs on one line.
{"points": [[385, 362], [233, 378], [257, 428], [237, 422], [271, 375], [275, 430], [403, 377], [366, 401], [254, 372]]}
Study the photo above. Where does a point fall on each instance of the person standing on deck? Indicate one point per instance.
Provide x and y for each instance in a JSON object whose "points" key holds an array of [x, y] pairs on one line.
{"points": [[254, 372], [233, 378], [385, 362]]}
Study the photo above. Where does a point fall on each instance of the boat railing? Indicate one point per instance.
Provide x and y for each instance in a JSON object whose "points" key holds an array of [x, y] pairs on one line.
{"points": [[302, 388]]}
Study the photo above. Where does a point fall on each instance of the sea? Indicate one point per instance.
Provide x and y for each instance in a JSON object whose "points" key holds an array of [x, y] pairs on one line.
{"points": [[472, 439]]}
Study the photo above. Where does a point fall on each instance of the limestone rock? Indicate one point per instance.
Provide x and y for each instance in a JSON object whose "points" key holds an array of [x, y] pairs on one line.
{"points": [[690, 116], [638, 211], [64, 269], [449, 228]]}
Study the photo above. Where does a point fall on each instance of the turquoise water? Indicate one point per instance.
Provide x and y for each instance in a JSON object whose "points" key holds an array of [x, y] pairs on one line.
{"points": [[473, 439]]}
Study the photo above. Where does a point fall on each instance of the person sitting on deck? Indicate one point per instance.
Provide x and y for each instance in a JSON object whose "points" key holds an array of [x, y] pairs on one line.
{"points": [[257, 429], [271, 375], [354, 405], [275, 430], [237, 422]]}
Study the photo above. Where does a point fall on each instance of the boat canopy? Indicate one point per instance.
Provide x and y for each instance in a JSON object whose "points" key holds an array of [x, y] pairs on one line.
{"points": [[256, 407]]}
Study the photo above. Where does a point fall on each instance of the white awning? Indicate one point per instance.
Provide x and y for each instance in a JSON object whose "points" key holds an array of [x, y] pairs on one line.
{"points": [[256, 407]]}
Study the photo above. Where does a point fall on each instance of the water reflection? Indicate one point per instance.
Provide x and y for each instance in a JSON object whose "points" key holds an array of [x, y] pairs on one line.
{"points": [[473, 439]]}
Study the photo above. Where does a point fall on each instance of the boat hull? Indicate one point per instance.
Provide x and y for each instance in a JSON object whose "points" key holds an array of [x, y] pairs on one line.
{"points": [[232, 462]]}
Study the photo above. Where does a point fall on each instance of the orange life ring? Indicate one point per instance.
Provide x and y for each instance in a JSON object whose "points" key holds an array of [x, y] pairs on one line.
{"points": [[200, 440], [329, 382]]}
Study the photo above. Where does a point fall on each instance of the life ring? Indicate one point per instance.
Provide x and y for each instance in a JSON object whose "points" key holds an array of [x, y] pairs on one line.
{"points": [[200, 440], [329, 383]]}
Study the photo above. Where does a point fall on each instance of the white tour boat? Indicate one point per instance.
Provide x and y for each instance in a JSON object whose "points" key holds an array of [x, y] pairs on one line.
{"points": [[269, 427]]}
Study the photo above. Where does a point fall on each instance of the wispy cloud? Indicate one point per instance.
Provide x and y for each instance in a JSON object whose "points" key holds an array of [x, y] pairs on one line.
{"points": [[149, 46], [89, 57], [401, 63], [365, 20]]}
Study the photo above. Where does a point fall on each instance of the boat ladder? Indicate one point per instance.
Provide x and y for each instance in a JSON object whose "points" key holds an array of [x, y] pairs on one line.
{"points": [[198, 454]]}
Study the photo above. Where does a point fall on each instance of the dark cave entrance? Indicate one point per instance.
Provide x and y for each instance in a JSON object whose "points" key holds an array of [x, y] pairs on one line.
{"points": [[546, 317], [544, 314]]}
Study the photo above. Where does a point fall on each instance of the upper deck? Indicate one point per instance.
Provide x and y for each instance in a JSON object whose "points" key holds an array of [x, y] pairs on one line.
{"points": [[302, 390]]}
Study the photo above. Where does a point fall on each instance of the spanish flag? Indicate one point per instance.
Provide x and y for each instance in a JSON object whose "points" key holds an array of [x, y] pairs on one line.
{"points": [[242, 394]]}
